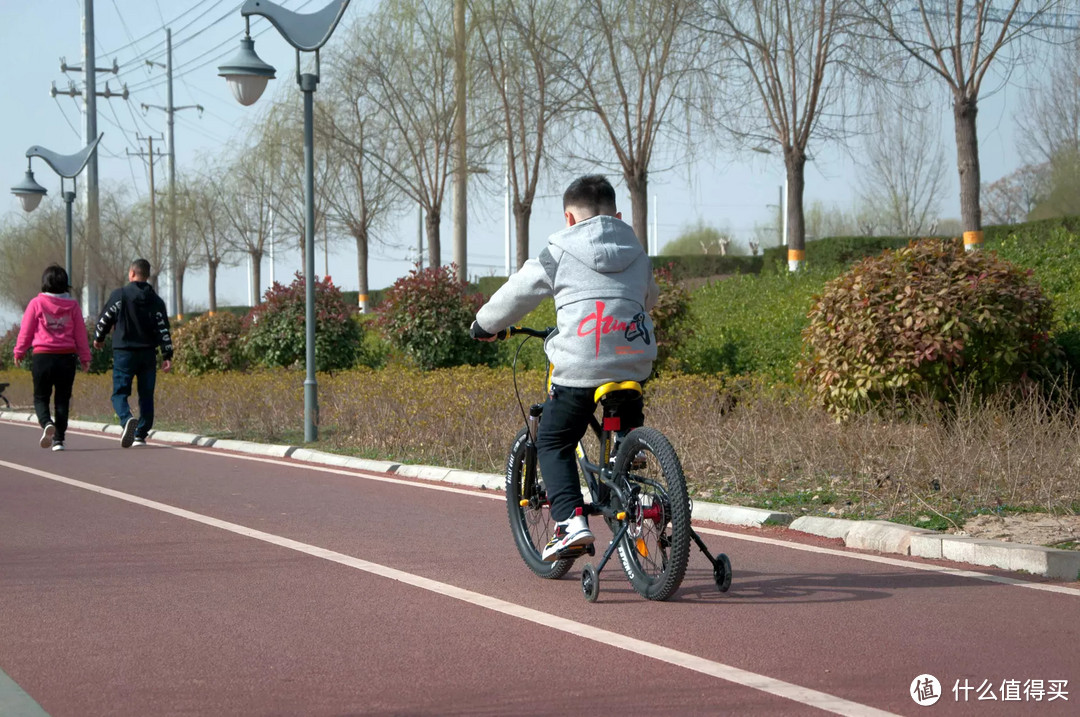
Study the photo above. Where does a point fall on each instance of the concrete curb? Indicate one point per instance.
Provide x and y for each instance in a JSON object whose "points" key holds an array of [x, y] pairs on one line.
{"points": [[877, 535]]}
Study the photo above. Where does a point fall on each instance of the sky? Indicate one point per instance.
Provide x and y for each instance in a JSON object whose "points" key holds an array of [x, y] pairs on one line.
{"points": [[732, 193]]}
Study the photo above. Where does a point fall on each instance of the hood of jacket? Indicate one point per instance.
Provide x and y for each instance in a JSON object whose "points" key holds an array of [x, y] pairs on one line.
{"points": [[57, 303], [140, 293], [602, 243]]}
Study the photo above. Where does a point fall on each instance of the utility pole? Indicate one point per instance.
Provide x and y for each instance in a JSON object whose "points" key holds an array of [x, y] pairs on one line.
{"points": [[91, 207], [170, 109], [460, 169], [151, 156]]}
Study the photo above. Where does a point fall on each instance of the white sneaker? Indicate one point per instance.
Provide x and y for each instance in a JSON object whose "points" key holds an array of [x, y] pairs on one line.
{"points": [[58, 445], [47, 435], [138, 443], [571, 533], [128, 435]]}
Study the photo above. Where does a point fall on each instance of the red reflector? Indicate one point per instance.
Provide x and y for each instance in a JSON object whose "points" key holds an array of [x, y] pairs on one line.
{"points": [[611, 423]]}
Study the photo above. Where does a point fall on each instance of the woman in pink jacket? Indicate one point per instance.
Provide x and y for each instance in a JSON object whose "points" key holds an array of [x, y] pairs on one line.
{"points": [[53, 325]]}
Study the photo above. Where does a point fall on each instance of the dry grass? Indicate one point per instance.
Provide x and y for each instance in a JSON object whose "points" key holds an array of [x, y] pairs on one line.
{"points": [[768, 448]]}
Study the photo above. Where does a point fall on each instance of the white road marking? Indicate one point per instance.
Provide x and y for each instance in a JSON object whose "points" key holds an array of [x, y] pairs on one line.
{"points": [[762, 683], [416, 483]]}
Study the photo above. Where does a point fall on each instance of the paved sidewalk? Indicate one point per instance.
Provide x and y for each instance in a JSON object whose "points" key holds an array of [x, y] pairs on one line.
{"points": [[876, 535]]}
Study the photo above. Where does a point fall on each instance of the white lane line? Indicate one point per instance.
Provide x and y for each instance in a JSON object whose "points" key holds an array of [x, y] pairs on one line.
{"points": [[411, 483], [762, 683], [14, 702], [898, 562]]}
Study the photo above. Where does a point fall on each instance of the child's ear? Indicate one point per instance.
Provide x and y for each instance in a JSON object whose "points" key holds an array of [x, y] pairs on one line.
{"points": [[571, 220]]}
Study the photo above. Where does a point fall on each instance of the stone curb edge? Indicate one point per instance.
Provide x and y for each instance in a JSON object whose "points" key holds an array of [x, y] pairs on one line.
{"points": [[876, 535]]}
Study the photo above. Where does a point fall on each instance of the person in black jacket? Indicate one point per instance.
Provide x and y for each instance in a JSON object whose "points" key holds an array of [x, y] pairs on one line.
{"points": [[142, 325]]}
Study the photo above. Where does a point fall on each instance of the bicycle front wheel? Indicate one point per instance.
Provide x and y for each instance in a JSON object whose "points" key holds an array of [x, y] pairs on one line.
{"points": [[527, 507], [656, 547]]}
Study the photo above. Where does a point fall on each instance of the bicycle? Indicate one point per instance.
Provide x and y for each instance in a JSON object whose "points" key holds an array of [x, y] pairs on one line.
{"points": [[3, 398], [638, 487]]}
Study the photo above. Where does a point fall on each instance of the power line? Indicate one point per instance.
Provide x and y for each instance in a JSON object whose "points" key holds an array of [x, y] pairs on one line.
{"points": [[77, 133], [153, 31]]}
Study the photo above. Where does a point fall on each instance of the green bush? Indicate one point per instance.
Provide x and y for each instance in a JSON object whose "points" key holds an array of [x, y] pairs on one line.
{"points": [[701, 265], [750, 324], [274, 331], [426, 316], [208, 343], [671, 318], [927, 319], [101, 360], [7, 350]]}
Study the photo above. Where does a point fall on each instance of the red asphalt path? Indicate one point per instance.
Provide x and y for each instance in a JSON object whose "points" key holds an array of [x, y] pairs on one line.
{"points": [[202, 582]]}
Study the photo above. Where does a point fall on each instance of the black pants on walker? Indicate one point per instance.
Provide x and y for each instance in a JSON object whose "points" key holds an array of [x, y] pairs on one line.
{"points": [[563, 424], [53, 372]]}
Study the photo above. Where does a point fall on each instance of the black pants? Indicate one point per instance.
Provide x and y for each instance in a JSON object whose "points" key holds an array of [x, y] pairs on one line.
{"points": [[563, 424], [53, 372]]}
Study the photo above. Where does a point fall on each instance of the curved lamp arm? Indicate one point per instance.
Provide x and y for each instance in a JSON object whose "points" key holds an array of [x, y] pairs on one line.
{"points": [[66, 165], [304, 32]]}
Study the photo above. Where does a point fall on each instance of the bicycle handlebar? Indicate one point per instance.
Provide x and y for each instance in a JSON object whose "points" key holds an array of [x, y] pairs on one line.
{"points": [[526, 331]]}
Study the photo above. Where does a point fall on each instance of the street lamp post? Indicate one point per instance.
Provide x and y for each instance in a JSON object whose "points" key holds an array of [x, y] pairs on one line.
{"points": [[247, 76], [68, 166]]}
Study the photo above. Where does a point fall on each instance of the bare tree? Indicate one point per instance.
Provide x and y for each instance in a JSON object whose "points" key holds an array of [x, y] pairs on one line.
{"points": [[791, 57], [408, 57], [902, 166], [520, 59], [29, 243], [959, 43], [283, 130], [637, 66], [248, 188], [1049, 121], [130, 228], [204, 210], [1011, 199], [362, 198]]}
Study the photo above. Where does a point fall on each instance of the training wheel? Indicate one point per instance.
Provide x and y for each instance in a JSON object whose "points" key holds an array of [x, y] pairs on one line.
{"points": [[590, 582], [722, 573]]}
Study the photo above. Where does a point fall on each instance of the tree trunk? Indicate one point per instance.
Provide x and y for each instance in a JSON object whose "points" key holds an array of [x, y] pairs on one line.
{"points": [[211, 271], [638, 184], [431, 222], [795, 166], [256, 275], [180, 295], [522, 212], [967, 161], [155, 278], [460, 160], [362, 270]]}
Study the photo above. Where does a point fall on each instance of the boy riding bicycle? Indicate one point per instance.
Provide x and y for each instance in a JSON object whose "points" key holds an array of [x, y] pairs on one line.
{"points": [[603, 286]]}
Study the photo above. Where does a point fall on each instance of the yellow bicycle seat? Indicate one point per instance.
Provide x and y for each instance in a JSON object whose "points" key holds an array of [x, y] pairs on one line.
{"points": [[614, 386]]}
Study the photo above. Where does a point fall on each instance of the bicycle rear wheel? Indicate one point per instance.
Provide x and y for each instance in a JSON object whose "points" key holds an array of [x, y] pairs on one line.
{"points": [[528, 510], [656, 547]]}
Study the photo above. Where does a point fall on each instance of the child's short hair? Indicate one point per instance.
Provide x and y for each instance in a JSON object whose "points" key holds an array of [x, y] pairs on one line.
{"points": [[593, 193], [54, 280]]}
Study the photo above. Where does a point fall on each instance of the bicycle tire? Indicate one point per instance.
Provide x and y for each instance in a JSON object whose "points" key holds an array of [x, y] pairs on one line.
{"points": [[531, 524], [655, 550]]}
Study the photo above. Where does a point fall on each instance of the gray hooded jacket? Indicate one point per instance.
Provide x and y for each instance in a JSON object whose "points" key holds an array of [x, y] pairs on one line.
{"points": [[602, 282]]}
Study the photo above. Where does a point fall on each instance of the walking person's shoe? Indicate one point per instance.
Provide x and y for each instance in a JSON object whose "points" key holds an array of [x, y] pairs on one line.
{"points": [[47, 435], [571, 533], [128, 436], [139, 443], [58, 445]]}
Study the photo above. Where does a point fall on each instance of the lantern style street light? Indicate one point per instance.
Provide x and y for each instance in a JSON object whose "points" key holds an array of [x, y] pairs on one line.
{"points": [[247, 76], [68, 166]]}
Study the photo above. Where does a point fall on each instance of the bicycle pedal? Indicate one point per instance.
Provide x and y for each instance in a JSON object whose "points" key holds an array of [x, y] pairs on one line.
{"points": [[574, 552]]}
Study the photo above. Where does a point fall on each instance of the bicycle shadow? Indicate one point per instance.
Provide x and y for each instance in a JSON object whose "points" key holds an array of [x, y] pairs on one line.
{"points": [[755, 588]]}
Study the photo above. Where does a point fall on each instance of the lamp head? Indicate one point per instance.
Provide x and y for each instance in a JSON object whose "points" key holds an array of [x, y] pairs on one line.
{"points": [[29, 192], [246, 73]]}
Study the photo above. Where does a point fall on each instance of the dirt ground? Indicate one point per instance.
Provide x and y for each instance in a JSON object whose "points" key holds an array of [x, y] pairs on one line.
{"points": [[1056, 531]]}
